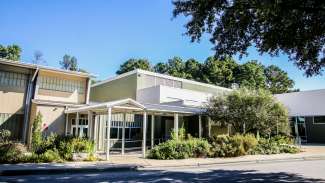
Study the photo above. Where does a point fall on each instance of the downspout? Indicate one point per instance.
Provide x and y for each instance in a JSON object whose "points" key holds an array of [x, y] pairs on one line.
{"points": [[27, 110]]}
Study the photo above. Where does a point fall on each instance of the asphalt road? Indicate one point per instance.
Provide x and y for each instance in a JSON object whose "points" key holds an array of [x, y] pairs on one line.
{"points": [[299, 171]]}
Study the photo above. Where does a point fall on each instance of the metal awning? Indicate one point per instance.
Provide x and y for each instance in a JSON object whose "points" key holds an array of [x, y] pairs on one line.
{"points": [[124, 104], [134, 106]]}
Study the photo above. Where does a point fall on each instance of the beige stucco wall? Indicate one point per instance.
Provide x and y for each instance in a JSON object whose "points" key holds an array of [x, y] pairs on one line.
{"points": [[12, 100], [60, 96], [114, 90], [53, 118]]}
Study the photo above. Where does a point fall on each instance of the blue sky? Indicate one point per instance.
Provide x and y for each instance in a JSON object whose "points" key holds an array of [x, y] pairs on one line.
{"points": [[102, 34]]}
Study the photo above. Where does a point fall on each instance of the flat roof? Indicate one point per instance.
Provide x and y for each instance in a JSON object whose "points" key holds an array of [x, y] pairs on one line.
{"points": [[304, 103], [140, 71], [47, 68]]}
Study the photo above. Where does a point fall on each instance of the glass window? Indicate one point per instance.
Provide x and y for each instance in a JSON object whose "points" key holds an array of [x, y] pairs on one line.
{"points": [[319, 119]]}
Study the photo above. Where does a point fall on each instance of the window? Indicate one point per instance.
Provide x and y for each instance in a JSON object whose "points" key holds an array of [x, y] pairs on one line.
{"points": [[58, 84], [319, 119], [82, 127], [13, 79]]}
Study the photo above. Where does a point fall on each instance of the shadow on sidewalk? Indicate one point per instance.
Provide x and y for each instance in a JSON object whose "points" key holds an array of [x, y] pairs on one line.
{"points": [[237, 176]]}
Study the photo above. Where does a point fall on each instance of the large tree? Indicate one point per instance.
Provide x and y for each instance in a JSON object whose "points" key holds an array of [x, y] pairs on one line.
{"points": [[219, 72], [69, 63], [10, 52], [132, 64], [176, 67], [293, 27], [277, 80], [250, 111], [193, 68], [250, 75]]}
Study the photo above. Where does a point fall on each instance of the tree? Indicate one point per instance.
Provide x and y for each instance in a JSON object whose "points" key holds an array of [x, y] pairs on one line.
{"points": [[193, 68], [293, 27], [176, 68], [277, 80], [250, 111], [38, 58], [219, 72], [132, 64], [37, 132], [11, 52], [250, 75], [69, 63], [161, 68]]}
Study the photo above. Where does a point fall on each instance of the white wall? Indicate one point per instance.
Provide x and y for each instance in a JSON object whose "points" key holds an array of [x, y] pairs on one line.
{"points": [[166, 94], [306, 103]]}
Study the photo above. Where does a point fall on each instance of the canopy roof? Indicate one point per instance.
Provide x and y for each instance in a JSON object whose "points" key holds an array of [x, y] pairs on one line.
{"points": [[134, 106]]}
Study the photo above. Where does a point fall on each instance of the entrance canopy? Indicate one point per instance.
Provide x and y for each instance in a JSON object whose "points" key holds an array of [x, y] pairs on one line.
{"points": [[133, 106], [118, 105]]}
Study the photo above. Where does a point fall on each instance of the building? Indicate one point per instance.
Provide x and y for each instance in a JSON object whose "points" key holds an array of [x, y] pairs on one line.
{"points": [[144, 108], [26, 89], [307, 114]]}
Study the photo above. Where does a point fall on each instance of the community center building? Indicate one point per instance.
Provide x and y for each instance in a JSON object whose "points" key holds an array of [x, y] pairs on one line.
{"points": [[130, 112]]}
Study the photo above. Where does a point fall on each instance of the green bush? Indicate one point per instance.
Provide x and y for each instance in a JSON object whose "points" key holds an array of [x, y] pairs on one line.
{"points": [[232, 146], [37, 133], [180, 149], [275, 145], [12, 152]]}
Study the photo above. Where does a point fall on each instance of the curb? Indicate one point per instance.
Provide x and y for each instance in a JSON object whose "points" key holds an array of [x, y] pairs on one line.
{"points": [[66, 170], [308, 158]]}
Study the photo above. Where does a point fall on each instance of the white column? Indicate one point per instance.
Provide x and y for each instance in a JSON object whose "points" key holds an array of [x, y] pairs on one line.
{"points": [[200, 126], [108, 131], [95, 132], [209, 126], [77, 125], [123, 133], [176, 124], [144, 134], [90, 124], [152, 130], [66, 123]]}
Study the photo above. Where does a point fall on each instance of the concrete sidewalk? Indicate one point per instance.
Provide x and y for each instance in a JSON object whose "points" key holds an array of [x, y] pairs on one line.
{"points": [[135, 162]]}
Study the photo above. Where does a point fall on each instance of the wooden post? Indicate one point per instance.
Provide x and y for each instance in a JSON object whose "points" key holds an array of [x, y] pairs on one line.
{"points": [[78, 132]]}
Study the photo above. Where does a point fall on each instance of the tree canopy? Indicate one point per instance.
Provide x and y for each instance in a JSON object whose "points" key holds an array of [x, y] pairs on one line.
{"points": [[225, 73], [132, 64], [293, 27], [250, 111], [69, 63], [10, 52]]}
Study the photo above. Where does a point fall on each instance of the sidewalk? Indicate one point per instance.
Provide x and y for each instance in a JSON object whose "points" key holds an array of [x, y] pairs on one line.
{"points": [[135, 162]]}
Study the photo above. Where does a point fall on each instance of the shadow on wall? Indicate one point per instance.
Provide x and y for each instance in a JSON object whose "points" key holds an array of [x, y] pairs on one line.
{"points": [[14, 123], [163, 176]]}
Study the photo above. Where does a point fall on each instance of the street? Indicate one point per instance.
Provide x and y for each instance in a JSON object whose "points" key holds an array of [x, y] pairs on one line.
{"points": [[298, 171]]}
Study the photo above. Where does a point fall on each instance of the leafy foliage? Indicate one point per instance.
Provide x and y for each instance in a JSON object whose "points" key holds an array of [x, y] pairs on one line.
{"points": [[4, 135], [250, 111], [180, 149], [277, 81], [294, 27], [36, 132], [132, 64], [69, 63], [10, 52], [275, 145], [223, 73], [232, 146]]}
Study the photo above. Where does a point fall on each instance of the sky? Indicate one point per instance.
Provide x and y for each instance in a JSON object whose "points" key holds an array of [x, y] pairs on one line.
{"points": [[102, 34]]}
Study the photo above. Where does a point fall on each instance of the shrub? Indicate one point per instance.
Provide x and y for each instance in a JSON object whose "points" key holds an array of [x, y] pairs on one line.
{"points": [[275, 145], [4, 136], [12, 152], [180, 149], [232, 146], [36, 132]]}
